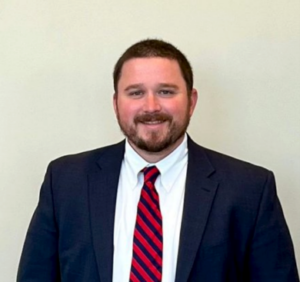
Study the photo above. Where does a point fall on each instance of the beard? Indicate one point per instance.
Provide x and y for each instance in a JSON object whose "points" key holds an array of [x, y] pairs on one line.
{"points": [[156, 141]]}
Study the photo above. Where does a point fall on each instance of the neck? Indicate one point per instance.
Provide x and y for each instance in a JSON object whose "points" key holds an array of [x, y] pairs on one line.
{"points": [[154, 157]]}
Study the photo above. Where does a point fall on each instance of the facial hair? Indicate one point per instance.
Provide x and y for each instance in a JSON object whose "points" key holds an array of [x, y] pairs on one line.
{"points": [[155, 142]]}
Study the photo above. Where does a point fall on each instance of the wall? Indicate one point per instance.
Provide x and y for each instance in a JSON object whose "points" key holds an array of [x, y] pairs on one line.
{"points": [[56, 60]]}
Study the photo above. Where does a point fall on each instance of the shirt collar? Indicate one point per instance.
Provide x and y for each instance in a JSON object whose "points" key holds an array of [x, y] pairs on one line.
{"points": [[169, 166]]}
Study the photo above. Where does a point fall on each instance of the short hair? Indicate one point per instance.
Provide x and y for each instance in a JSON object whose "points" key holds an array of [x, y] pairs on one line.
{"points": [[155, 48]]}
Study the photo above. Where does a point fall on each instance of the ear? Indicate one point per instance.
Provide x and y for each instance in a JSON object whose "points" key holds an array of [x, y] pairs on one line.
{"points": [[193, 100], [115, 98]]}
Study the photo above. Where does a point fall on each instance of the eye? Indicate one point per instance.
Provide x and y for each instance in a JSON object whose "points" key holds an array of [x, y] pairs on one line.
{"points": [[136, 93], [166, 92]]}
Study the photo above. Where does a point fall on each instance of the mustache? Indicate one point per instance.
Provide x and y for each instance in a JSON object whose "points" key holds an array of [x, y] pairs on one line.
{"points": [[152, 117]]}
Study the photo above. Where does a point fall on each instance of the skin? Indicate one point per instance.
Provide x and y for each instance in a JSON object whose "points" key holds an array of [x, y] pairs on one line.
{"points": [[152, 106]]}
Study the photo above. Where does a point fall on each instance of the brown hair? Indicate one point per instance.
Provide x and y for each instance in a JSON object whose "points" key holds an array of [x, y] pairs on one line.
{"points": [[155, 48]]}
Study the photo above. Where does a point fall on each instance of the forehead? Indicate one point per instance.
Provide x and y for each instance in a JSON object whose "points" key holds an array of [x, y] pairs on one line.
{"points": [[149, 71]]}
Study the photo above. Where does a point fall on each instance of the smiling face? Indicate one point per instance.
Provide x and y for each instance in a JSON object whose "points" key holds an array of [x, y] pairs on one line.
{"points": [[152, 105]]}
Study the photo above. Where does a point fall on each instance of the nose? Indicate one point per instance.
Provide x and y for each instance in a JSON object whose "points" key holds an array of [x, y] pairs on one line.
{"points": [[151, 103]]}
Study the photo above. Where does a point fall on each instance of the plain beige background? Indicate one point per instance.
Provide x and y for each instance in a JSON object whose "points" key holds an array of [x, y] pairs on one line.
{"points": [[56, 60]]}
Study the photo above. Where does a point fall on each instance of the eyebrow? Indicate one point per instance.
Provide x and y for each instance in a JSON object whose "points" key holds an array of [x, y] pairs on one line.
{"points": [[133, 86], [140, 85], [169, 85]]}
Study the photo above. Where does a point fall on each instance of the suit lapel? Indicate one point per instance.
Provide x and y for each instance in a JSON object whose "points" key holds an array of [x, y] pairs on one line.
{"points": [[199, 195], [103, 185]]}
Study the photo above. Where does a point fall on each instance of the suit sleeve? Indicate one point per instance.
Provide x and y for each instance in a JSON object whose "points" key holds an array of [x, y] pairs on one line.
{"points": [[272, 255], [39, 259]]}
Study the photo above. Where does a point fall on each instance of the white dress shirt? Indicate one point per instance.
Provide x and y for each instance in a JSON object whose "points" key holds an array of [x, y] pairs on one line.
{"points": [[170, 186]]}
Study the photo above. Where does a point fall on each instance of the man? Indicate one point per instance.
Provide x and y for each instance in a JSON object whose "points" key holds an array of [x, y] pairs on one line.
{"points": [[157, 206]]}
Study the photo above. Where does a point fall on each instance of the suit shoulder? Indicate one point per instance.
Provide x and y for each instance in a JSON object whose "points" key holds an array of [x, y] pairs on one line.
{"points": [[223, 160], [88, 158], [239, 177], [231, 167]]}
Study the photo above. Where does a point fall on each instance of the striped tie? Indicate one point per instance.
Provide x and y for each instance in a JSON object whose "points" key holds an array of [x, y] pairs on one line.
{"points": [[146, 263]]}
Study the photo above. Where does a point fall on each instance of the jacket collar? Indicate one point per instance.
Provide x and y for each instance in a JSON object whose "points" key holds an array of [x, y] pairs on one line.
{"points": [[199, 194], [103, 185]]}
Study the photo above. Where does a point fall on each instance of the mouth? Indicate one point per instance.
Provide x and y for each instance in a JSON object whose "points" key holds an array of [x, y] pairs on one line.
{"points": [[153, 119], [153, 125], [153, 122]]}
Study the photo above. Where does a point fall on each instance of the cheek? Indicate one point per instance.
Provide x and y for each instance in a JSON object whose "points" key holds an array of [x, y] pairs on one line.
{"points": [[126, 112], [177, 110]]}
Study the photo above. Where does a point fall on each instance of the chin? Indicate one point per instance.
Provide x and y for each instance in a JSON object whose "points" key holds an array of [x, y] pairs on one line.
{"points": [[154, 145]]}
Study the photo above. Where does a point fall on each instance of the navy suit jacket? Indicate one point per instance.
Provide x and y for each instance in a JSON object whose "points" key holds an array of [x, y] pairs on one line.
{"points": [[233, 228]]}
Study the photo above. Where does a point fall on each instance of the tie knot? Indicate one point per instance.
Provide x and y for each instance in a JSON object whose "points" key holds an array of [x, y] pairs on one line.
{"points": [[150, 174]]}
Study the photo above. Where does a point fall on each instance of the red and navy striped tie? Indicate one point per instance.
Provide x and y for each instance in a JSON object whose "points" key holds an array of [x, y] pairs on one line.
{"points": [[146, 263]]}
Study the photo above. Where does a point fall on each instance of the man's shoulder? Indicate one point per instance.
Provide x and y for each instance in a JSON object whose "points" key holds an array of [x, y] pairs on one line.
{"points": [[226, 165], [88, 159]]}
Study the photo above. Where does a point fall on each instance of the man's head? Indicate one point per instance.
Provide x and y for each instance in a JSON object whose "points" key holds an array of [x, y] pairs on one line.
{"points": [[150, 48], [154, 98]]}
